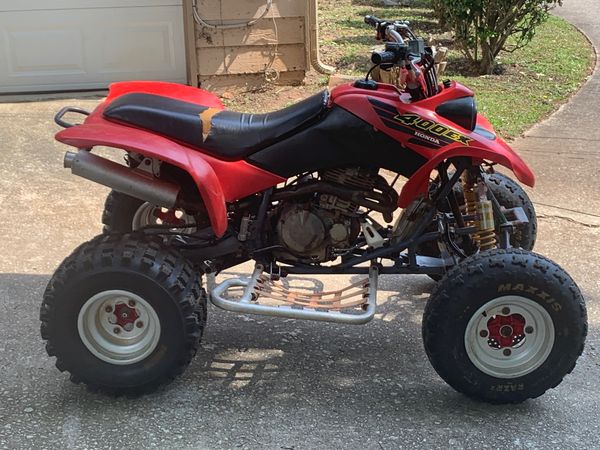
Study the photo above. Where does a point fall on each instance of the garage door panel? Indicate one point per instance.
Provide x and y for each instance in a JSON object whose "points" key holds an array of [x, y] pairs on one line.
{"points": [[37, 53], [90, 48], [44, 5], [142, 48]]}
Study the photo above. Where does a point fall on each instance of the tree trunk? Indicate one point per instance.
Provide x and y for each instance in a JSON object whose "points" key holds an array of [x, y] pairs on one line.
{"points": [[487, 62], [440, 13], [398, 2]]}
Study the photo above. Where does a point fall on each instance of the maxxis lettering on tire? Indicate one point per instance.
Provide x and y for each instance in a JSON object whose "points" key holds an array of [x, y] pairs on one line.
{"points": [[476, 281]]}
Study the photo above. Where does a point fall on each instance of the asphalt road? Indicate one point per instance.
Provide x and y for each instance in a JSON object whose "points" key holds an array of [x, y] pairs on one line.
{"points": [[268, 383]]}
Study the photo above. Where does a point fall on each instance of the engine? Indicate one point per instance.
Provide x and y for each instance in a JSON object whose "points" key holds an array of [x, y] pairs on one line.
{"points": [[320, 217]]}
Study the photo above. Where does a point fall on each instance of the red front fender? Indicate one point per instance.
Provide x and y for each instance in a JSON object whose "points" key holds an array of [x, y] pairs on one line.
{"points": [[501, 154]]}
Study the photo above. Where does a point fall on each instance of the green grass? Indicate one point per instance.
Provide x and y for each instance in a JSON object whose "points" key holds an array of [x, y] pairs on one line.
{"points": [[535, 79]]}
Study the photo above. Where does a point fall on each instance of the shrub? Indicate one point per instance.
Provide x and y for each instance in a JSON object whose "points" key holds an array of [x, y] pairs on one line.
{"points": [[439, 10], [483, 27]]}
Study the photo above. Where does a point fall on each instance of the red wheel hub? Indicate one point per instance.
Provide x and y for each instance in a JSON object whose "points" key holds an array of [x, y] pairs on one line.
{"points": [[168, 217], [506, 331], [125, 315]]}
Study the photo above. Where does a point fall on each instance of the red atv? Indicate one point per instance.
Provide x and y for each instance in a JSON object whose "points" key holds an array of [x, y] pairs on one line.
{"points": [[303, 191]]}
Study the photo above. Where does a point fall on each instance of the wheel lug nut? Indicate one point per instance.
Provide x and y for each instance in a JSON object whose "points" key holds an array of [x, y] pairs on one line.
{"points": [[529, 329], [507, 352], [108, 309], [483, 333], [140, 324], [506, 310], [131, 303], [116, 330], [128, 327]]}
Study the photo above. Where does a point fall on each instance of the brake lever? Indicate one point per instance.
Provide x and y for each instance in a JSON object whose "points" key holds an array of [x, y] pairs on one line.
{"points": [[382, 31]]}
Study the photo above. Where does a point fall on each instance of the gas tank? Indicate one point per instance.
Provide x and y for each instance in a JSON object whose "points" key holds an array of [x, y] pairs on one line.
{"points": [[350, 133], [423, 126]]}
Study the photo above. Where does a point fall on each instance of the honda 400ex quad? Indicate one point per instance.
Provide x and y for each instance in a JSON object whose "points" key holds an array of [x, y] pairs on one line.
{"points": [[308, 190]]}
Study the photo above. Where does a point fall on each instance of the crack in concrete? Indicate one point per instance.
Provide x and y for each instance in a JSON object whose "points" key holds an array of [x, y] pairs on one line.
{"points": [[567, 209], [568, 219], [561, 138]]}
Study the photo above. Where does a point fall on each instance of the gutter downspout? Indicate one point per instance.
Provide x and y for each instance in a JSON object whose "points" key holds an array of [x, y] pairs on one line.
{"points": [[313, 36], [189, 27]]}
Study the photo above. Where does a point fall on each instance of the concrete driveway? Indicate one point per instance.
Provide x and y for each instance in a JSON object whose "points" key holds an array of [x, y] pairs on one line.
{"points": [[266, 383]]}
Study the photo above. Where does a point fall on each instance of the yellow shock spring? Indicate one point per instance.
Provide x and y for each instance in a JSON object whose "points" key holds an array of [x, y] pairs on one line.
{"points": [[485, 235]]}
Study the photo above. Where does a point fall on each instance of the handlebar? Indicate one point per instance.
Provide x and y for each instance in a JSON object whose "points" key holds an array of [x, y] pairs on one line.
{"points": [[390, 30], [393, 36], [373, 21], [376, 21], [407, 50]]}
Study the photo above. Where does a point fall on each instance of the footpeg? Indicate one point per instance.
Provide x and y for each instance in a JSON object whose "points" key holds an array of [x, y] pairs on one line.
{"points": [[263, 295]]}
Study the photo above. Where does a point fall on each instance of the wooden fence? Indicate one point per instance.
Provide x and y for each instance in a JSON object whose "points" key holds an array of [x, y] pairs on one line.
{"points": [[274, 49]]}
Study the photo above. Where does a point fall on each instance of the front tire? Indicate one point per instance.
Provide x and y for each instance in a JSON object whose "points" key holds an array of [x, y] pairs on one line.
{"points": [[509, 195], [123, 314], [504, 326]]}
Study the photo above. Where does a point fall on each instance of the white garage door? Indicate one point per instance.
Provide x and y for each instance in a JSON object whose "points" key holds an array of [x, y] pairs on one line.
{"points": [[49, 45]]}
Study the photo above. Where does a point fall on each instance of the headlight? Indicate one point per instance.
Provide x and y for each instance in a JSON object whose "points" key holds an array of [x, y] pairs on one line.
{"points": [[462, 111]]}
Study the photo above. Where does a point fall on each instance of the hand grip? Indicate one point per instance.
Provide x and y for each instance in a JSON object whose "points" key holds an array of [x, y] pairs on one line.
{"points": [[372, 20], [384, 58]]}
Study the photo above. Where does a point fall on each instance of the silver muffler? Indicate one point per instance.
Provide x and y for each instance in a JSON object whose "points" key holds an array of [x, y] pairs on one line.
{"points": [[122, 179]]}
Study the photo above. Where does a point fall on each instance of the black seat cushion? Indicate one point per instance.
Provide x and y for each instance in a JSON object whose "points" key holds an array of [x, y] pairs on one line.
{"points": [[226, 134]]}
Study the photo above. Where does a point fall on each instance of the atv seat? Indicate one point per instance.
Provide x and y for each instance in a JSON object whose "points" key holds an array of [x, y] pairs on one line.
{"points": [[224, 134]]}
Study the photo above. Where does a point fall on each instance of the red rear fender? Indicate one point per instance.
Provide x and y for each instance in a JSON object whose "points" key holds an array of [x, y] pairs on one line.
{"points": [[218, 181], [139, 141]]}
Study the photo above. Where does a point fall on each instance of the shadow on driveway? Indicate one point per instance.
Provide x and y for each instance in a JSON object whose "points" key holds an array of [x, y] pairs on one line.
{"points": [[271, 383]]}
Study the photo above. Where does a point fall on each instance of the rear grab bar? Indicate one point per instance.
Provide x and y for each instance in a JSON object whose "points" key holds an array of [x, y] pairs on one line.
{"points": [[58, 118]]}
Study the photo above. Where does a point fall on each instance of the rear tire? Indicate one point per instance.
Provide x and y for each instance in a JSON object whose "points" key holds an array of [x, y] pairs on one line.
{"points": [[119, 212], [123, 314], [125, 214], [504, 326]]}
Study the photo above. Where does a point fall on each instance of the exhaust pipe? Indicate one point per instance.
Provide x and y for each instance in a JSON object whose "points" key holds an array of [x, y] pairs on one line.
{"points": [[122, 179]]}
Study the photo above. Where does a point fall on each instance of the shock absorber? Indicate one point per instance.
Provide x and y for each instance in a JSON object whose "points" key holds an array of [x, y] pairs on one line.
{"points": [[480, 208]]}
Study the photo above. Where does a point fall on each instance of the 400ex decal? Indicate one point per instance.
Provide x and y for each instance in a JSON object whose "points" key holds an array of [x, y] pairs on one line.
{"points": [[426, 133]]}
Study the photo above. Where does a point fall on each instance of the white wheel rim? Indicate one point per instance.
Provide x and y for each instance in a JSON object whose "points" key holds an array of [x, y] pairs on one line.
{"points": [[148, 214], [529, 348], [118, 327]]}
